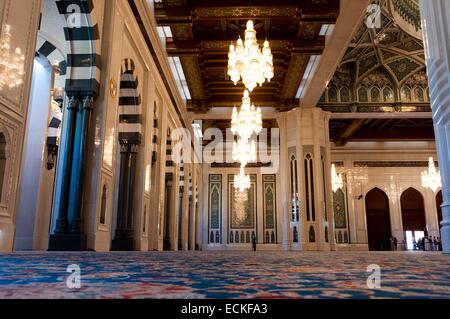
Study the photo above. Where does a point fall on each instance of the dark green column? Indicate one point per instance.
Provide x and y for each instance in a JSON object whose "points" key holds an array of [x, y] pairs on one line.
{"points": [[78, 169], [124, 235], [57, 240], [62, 225], [69, 233], [129, 232], [122, 203]]}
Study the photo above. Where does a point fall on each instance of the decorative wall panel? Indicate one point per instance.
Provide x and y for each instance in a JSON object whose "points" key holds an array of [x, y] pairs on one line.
{"points": [[270, 212], [340, 219], [215, 208], [242, 212]]}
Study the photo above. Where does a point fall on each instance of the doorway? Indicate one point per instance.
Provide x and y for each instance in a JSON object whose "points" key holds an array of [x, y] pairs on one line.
{"points": [[378, 220], [413, 211], [412, 238]]}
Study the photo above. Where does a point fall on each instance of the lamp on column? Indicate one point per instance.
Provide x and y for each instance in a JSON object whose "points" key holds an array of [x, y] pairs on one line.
{"points": [[56, 102], [53, 134]]}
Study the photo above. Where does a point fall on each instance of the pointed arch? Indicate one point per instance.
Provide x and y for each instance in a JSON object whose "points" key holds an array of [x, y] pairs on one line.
{"points": [[413, 210], [129, 104], [83, 38], [378, 220]]}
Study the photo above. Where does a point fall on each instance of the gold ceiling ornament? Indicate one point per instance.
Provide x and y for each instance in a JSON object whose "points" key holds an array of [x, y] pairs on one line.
{"points": [[431, 178], [337, 181], [247, 61], [11, 63]]}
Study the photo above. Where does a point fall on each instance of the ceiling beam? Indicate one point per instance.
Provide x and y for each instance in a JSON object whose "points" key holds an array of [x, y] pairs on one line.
{"points": [[310, 46], [354, 126], [382, 115], [244, 3], [229, 100], [305, 9]]}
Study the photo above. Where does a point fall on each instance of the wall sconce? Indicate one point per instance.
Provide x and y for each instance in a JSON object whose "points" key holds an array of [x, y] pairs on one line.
{"points": [[58, 95], [52, 152]]}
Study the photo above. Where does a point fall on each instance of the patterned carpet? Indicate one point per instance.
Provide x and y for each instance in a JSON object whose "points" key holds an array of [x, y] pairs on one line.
{"points": [[225, 275]]}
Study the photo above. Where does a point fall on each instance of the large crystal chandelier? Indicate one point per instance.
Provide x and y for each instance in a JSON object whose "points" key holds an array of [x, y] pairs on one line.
{"points": [[337, 181], [244, 152], [11, 64], [248, 120], [241, 181], [431, 178], [247, 61]]}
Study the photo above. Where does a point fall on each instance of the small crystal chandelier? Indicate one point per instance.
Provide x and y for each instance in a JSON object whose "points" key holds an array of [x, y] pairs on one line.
{"points": [[431, 178], [242, 181], [248, 120], [244, 152], [337, 181], [249, 62], [11, 64]]}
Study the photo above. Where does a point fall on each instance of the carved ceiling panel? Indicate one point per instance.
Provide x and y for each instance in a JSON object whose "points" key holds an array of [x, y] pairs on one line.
{"points": [[203, 31]]}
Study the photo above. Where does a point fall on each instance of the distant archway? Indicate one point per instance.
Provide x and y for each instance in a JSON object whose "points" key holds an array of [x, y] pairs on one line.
{"points": [[439, 202], [413, 211], [378, 220]]}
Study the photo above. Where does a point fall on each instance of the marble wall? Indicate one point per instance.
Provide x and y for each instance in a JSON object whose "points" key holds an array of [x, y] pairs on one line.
{"points": [[393, 168], [23, 17]]}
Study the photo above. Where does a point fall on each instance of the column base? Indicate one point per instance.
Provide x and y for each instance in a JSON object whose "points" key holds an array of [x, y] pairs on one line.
{"points": [[67, 242], [445, 228], [123, 244]]}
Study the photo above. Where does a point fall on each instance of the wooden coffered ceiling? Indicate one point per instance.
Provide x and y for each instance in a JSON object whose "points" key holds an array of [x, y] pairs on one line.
{"points": [[393, 129], [203, 30]]}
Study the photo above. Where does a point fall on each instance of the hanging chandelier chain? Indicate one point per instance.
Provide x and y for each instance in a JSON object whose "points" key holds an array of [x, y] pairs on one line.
{"points": [[254, 65]]}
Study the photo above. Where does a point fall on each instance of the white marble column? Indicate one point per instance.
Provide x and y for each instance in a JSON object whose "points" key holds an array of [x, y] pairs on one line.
{"points": [[192, 214], [160, 186], [185, 209], [284, 180], [174, 207], [436, 29], [314, 139]]}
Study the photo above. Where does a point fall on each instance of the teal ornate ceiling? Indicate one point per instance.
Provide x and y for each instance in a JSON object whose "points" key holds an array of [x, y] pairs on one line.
{"points": [[376, 72], [382, 71]]}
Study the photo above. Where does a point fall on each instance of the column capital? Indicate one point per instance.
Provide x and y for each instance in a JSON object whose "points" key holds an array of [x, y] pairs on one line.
{"points": [[133, 138], [88, 102], [127, 146], [72, 104]]}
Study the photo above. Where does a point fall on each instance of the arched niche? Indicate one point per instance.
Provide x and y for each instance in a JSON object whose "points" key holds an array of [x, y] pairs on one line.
{"points": [[378, 220]]}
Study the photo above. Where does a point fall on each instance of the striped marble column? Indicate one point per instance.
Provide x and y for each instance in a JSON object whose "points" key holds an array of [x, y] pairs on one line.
{"points": [[82, 87], [129, 140]]}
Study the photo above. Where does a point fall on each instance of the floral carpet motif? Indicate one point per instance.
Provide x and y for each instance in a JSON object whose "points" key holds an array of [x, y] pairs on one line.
{"points": [[224, 275]]}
